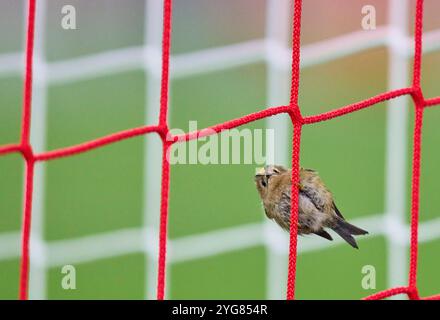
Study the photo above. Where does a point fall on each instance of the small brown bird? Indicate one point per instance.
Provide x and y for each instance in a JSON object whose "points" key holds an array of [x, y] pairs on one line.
{"points": [[317, 209]]}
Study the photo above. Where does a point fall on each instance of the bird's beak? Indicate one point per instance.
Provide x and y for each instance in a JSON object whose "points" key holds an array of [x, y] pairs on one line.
{"points": [[260, 171]]}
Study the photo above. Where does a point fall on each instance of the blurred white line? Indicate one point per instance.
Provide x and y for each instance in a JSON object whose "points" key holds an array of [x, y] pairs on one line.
{"points": [[11, 63], [218, 58], [99, 246], [38, 248], [127, 241], [429, 230], [278, 91], [216, 242], [396, 145], [431, 41], [102, 64], [153, 145], [342, 46], [10, 245]]}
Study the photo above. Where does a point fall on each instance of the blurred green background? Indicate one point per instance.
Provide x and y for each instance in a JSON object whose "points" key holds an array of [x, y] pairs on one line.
{"points": [[103, 190]]}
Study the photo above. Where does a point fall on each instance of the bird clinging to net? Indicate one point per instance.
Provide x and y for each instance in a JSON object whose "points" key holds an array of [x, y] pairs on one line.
{"points": [[317, 209]]}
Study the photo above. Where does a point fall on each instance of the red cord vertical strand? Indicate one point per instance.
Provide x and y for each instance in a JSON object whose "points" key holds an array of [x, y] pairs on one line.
{"points": [[415, 202], [166, 42], [415, 187], [27, 94], [296, 146], [296, 52], [26, 230], [163, 221], [28, 155], [418, 45], [291, 276]]}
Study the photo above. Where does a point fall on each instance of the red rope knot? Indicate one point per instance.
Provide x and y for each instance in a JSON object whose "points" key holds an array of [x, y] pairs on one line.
{"points": [[27, 152], [295, 115], [163, 132], [417, 96], [413, 293]]}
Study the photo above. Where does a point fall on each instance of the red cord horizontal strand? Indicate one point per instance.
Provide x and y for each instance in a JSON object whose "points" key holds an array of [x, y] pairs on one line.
{"points": [[97, 143], [434, 297], [388, 293], [357, 106], [269, 112], [432, 102], [10, 148]]}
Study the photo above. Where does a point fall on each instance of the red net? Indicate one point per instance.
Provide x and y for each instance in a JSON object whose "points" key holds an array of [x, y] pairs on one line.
{"points": [[293, 110]]}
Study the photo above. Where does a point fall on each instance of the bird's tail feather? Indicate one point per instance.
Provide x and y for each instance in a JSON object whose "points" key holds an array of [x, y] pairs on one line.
{"points": [[346, 230], [351, 229]]}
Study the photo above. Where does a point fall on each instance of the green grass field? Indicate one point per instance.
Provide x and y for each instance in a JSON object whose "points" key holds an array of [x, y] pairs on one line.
{"points": [[103, 191]]}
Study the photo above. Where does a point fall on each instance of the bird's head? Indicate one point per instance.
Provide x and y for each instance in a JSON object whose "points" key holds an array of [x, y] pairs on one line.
{"points": [[263, 176]]}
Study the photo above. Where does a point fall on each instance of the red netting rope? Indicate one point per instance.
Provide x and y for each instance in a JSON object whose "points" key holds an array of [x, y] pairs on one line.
{"points": [[162, 130]]}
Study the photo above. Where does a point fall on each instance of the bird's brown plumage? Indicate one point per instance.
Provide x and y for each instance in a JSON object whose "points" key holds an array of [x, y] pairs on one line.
{"points": [[317, 209]]}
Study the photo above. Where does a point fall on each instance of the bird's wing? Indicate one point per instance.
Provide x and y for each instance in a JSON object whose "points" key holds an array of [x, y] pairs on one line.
{"points": [[284, 204], [339, 214], [312, 196], [303, 191], [309, 170]]}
